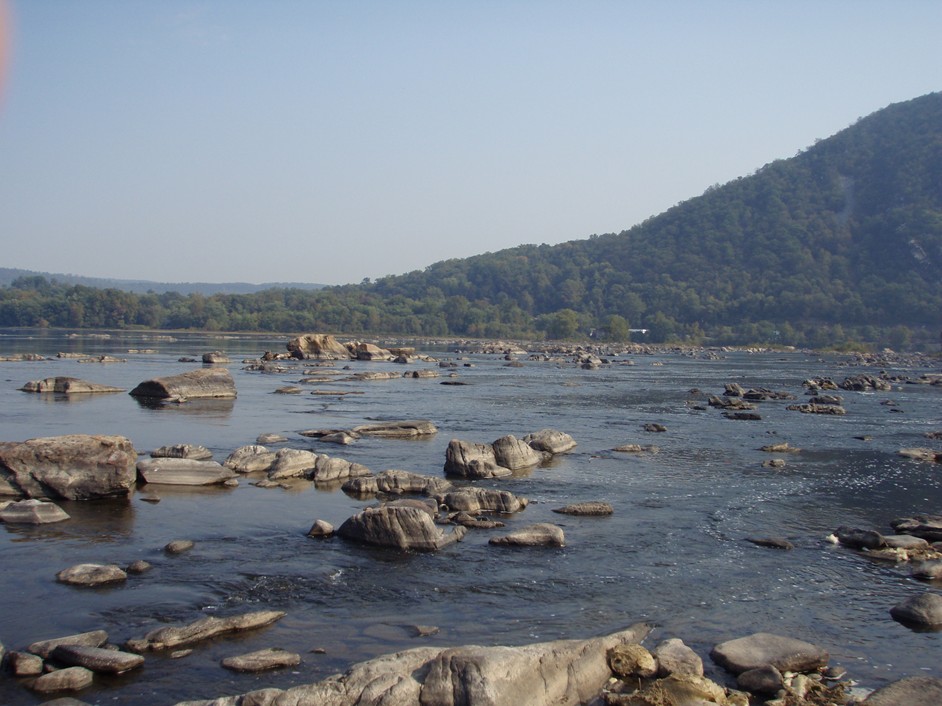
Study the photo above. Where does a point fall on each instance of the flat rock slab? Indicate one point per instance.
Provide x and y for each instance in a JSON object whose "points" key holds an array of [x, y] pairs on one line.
{"points": [[72, 467], [97, 659], [67, 386], [911, 691], [69, 679], [92, 575], [262, 660], [539, 535], [33, 512], [550, 441], [593, 508], [762, 649], [191, 451], [194, 384], [94, 638], [183, 471], [173, 636], [398, 430]]}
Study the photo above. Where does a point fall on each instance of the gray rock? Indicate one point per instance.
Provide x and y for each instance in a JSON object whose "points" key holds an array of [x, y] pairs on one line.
{"points": [[475, 499], [72, 467], [182, 471], [763, 649], [632, 660], [178, 546], [515, 454], [327, 469], [68, 386], [319, 346], [138, 567], [465, 459], [539, 535], [928, 570], [91, 575], [97, 659], [248, 459], [44, 648], [855, 538], [215, 357], [562, 673], [911, 691], [195, 384], [170, 637], [262, 660], [398, 430], [762, 680], [771, 542], [395, 481], [923, 611], [321, 528], [292, 463], [33, 512], [929, 527], [593, 508], [905, 541], [674, 657], [551, 441], [24, 664], [271, 438], [68, 679], [191, 451], [399, 527]]}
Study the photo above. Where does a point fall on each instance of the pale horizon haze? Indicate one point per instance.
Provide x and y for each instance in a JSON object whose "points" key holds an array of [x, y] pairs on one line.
{"points": [[328, 142]]}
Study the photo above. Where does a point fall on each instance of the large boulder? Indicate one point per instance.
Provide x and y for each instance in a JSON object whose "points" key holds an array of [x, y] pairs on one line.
{"points": [[183, 471], [515, 454], [762, 649], [292, 463], [474, 499], [370, 351], [465, 459], [550, 441], [72, 467], [195, 384], [923, 611], [929, 527], [327, 469], [911, 691], [400, 527], [67, 386], [320, 346], [561, 672], [248, 459]]}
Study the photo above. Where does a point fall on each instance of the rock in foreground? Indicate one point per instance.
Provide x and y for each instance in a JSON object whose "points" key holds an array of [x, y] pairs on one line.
{"points": [[762, 649], [562, 673], [911, 691]]}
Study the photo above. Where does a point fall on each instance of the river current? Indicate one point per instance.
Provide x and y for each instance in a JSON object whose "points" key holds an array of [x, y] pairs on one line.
{"points": [[674, 552]]}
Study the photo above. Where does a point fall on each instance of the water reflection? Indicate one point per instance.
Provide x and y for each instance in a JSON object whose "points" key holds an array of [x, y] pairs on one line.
{"points": [[207, 408]]}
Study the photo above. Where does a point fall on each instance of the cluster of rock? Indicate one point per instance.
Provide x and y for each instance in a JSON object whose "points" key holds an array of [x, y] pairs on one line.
{"points": [[500, 459], [917, 543], [70, 663]]}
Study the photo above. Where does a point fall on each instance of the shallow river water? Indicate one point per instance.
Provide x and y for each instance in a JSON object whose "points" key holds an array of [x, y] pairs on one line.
{"points": [[674, 552]]}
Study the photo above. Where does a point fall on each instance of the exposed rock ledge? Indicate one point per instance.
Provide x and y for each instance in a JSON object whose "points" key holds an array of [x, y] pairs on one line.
{"points": [[560, 672]]}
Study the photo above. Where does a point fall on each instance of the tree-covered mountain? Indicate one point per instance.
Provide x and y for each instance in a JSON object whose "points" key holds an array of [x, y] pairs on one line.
{"points": [[841, 242]]}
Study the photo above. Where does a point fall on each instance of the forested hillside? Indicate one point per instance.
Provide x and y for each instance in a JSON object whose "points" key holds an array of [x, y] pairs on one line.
{"points": [[842, 243]]}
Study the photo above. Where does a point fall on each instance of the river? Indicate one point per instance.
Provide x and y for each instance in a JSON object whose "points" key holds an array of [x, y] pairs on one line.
{"points": [[674, 551]]}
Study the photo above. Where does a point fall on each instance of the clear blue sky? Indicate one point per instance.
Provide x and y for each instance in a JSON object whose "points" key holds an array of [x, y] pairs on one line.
{"points": [[302, 140]]}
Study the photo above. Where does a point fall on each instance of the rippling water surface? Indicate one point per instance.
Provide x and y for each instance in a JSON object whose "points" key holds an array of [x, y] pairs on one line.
{"points": [[673, 553]]}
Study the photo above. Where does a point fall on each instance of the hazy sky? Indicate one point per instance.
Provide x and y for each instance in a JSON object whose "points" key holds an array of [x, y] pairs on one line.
{"points": [[314, 141]]}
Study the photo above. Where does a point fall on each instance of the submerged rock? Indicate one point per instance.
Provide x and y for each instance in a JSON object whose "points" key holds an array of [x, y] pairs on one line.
{"points": [[538, 535], [68, 386], [398, 430], [170, 637], [923, 611], [68, 679], [262, 660], [594, 508], [92, 574]]}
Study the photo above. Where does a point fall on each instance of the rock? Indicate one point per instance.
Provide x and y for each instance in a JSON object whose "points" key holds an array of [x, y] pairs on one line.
{"points": [[92, 575], [538, 535], [24, 664], [69, 679], [550, 441], [562, 673], [138, 567], [289, 390], [654, 427], [343, 438], [854, 538], [911, 691], [370, 351], [44, 648], [170, 637], [781, 448], [319, 346], [743, 416], [72, 467], [923, 611], [321, 528], [262, 660], [515, 454], [271, 438], [465, 459], [467, 520], [292, 463], [195, 384], [67, 386], [595, 508], [928, 570], [215, 357], [248, 459], [678, 690], [182, 471], [178, 546], [474, 499], [929, 527], [864, 383], [328, 469], [674, 657], [771, 542], [905, 541], [762, 649], [32, 512], [396, 482], [921, 454], [817, 409], [636, 449], [774, 463], [762, 680], [190, 451], [97, 659], [398, 430], [631, 661], [407, 528]]}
